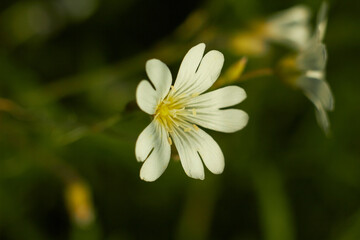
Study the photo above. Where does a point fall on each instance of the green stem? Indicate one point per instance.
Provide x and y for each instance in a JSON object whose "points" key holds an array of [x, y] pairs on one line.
{"points": [[256, 74], [198, 211], [274, 205], [82, 131], [223, 81]]}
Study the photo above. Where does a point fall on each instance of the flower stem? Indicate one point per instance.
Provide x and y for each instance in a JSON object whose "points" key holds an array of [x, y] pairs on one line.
{"points": [[255, 74], [82, 131], [223, 81]]}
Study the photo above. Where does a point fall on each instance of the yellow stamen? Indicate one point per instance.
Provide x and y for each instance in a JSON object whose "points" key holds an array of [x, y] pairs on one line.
{"points": [[182, 95], [196, 127], [169, 140], [187, 129], [193, 112], [170, 111]]}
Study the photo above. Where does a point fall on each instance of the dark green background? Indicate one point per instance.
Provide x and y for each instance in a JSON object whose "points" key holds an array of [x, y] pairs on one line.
{"points": [[283, 180]]}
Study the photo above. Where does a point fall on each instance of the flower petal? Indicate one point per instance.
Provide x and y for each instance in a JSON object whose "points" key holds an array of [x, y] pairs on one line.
{"points": [[314, 57], [322, 119], [194, 146], [209, 151], [292, 16], [290, 26], [146, 97], [160, 75], [145, 142], [188, 67], [220, 98], [321, 21], [208, 72], [229, 120], [318, 91], [189, 157], [152, 147]]}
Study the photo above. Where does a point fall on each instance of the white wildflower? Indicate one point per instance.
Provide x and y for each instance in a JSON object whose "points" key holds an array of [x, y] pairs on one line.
{"points": [[312, 62], [289, 27], [306, 71], [178, 110]]}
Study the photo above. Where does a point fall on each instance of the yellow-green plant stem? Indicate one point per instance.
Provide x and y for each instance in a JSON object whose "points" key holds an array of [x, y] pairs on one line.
{"points": [[264, 72], [275, 210], [82, 131], [197, 214]]}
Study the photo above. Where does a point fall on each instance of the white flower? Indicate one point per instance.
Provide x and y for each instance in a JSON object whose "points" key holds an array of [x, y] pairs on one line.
{"points": [[289, 27], [311, 61], [178, 110], [306, 71]]}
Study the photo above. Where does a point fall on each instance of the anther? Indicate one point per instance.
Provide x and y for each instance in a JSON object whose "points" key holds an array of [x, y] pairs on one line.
{"points": [[193, 112], [195, 94], [196, 127], [169, 140], [187, 129], [182, 95]]}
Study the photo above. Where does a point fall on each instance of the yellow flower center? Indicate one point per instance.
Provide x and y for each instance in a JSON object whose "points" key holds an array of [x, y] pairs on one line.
{"points": [[168, 112], [171, 112], [163, 110]]}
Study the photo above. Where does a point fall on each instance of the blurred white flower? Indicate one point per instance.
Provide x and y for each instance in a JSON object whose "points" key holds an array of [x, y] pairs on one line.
{"points": [[307, 70], [178, 110], [312, 62], [289, 27]]}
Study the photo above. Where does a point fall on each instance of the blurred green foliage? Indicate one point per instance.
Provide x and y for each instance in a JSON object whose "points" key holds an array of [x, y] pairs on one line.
{"points": [[68, 73]]}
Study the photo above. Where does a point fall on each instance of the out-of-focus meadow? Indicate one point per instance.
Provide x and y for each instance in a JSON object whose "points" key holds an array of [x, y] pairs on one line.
{"points": [[69, 123]]}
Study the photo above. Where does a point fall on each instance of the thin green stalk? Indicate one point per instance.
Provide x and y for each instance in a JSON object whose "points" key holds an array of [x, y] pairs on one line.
{"points": [[275, 210]]}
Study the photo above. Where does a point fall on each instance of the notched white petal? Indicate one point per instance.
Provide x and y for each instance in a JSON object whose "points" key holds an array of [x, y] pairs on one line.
{"points": [[195, 146], [291, 16], [208, 72], [189, 157], [322, 119], [322, 21], [220, 98], [228, 121], [314, 57], [145, 142], [146, 97], [158, 160], [188, 66], [318, 91], [290, 27], [160, 75], [209, 151]]}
